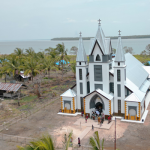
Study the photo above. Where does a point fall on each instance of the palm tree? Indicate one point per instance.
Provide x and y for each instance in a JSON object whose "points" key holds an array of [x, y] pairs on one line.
{"points": [[45, 143], [30, 51], [95, 142], [30, 66], [18, 52], [62, 56]]}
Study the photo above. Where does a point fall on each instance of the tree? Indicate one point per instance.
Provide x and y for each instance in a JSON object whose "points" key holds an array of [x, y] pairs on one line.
{"points": [[18, 52], [62, 56], [30, 66], [95, 142], [143, 53], [73, 50], [30, 51], [128, 50], [73, 68], [148, 49], [45, 143], [113, 50]]}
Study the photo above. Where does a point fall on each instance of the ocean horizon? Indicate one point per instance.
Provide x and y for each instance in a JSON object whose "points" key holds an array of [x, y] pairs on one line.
{"points": [[8, 46]]}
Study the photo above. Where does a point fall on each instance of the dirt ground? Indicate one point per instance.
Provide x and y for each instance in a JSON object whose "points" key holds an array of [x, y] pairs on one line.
{"points": [[130, 136]]}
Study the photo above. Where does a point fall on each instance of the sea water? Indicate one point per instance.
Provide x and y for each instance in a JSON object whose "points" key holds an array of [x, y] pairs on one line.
{"points": [[7, 47]]}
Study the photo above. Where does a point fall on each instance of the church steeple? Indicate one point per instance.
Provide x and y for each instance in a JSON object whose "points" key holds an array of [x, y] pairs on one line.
{"points": [[81, 55], [119, 51], [100, 37]]}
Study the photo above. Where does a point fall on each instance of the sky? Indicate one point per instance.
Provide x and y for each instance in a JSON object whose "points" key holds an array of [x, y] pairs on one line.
{"points": [[46, 19]]}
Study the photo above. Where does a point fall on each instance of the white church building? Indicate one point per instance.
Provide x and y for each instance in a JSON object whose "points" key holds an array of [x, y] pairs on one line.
{"points": [[119, 84]]}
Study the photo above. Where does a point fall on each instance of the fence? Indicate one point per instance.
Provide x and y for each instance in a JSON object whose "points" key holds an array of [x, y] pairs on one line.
{"points": [[24, 115], [16, 139], [26, 140]]}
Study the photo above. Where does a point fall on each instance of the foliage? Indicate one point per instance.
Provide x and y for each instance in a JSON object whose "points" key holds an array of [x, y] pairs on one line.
{"points": [[73, 68], [73, 50], [113, 50], [142, 59], [128, 49], [95, 142], [45, 143], [148, 49]]}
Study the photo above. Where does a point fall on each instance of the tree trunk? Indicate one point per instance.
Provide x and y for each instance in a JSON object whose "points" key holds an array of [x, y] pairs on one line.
{"points": [[62, 68], [5, 78]]}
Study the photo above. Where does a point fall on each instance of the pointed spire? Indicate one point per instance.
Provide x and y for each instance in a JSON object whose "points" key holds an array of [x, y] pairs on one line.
{"points": [[100, 37], [81, 55], [119, 51]]}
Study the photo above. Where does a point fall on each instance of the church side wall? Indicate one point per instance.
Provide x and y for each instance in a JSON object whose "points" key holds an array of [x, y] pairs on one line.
{"points": [[132, 104], [83, 81], [112, 106], [67, 99]]}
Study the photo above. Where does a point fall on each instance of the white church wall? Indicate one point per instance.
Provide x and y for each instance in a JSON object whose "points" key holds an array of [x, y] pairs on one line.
{"points": [[83, 81], [67, 99], [105, 77], [96, 52], [147, 100], [112, 106], [133, 104], [111, 78], [122, 82], [106, 103]]}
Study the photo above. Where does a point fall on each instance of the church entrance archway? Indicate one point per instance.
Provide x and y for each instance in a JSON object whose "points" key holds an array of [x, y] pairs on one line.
{"points": [[96, 100]]}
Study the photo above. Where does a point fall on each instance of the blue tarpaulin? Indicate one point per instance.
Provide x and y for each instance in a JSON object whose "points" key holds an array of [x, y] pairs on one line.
{"points": [[62, 61]]}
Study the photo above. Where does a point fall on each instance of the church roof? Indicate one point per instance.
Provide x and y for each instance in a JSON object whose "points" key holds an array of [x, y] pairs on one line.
{"points": [[69, 93], [103, 42], [132, 98], [119, 56], [147, 68], [81, 55], [99, 91]]}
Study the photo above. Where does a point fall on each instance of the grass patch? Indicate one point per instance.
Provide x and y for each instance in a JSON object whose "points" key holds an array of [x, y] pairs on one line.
{"points": [[28, 98], [142, 59], [54, 87], [25, 107]]}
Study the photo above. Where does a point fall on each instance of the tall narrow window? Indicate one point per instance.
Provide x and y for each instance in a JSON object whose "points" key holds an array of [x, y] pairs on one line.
{"points": [[79, 63], [80, 74], [81, 88], [98, 58], [97, 72], [118, 63], [118, 75], [111, 87], [119, 90]]}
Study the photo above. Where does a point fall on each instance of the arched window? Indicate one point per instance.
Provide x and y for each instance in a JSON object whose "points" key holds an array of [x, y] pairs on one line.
{"points": [[98, 58]]}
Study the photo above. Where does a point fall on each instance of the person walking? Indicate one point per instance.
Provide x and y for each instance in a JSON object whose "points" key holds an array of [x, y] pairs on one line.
{"points": [[103, 117], [92, 127], [99, 119], [79, 142]]}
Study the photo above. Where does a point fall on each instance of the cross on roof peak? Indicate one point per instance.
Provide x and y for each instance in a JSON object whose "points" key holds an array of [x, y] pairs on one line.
{"points": [[99, 22], [119, 32], [80, 33]]}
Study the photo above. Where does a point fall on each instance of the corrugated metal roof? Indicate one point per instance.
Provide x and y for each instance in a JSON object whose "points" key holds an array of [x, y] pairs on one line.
{"points": [[134, 70], [81, 55], [147, 68], [119, 51], [69, 93], [10, 86]]}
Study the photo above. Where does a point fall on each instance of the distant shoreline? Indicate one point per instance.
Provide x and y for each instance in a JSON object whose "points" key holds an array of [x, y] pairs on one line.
{"points": [[112, 37]]}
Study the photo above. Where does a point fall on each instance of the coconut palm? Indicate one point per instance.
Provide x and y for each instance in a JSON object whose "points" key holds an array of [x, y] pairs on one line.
{"points": [[30, 66], [30, 52], [45, 143], [62, 56], [18, 52], [95, 142]]}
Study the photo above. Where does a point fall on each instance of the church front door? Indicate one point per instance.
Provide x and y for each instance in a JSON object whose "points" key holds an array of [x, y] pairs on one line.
{"points": [[81, 102], [119, 107]]}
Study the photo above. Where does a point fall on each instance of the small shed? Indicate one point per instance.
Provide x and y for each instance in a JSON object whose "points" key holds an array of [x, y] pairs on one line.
{"points": [[23, 78], [10, 90]]}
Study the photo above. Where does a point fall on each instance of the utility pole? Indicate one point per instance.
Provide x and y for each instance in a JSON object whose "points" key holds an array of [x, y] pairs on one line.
{"points": [[115, 135]]}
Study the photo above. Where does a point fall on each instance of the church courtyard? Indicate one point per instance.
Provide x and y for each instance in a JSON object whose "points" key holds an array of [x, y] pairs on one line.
{"points": [[129, 135]]}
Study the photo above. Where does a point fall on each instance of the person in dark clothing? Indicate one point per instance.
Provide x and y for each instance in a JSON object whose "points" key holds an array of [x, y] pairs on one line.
{"points": [[92, 127], [79, 142]]}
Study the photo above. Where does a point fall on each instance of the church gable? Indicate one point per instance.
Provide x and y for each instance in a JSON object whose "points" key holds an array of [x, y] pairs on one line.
{"points": [[97, 53]]}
